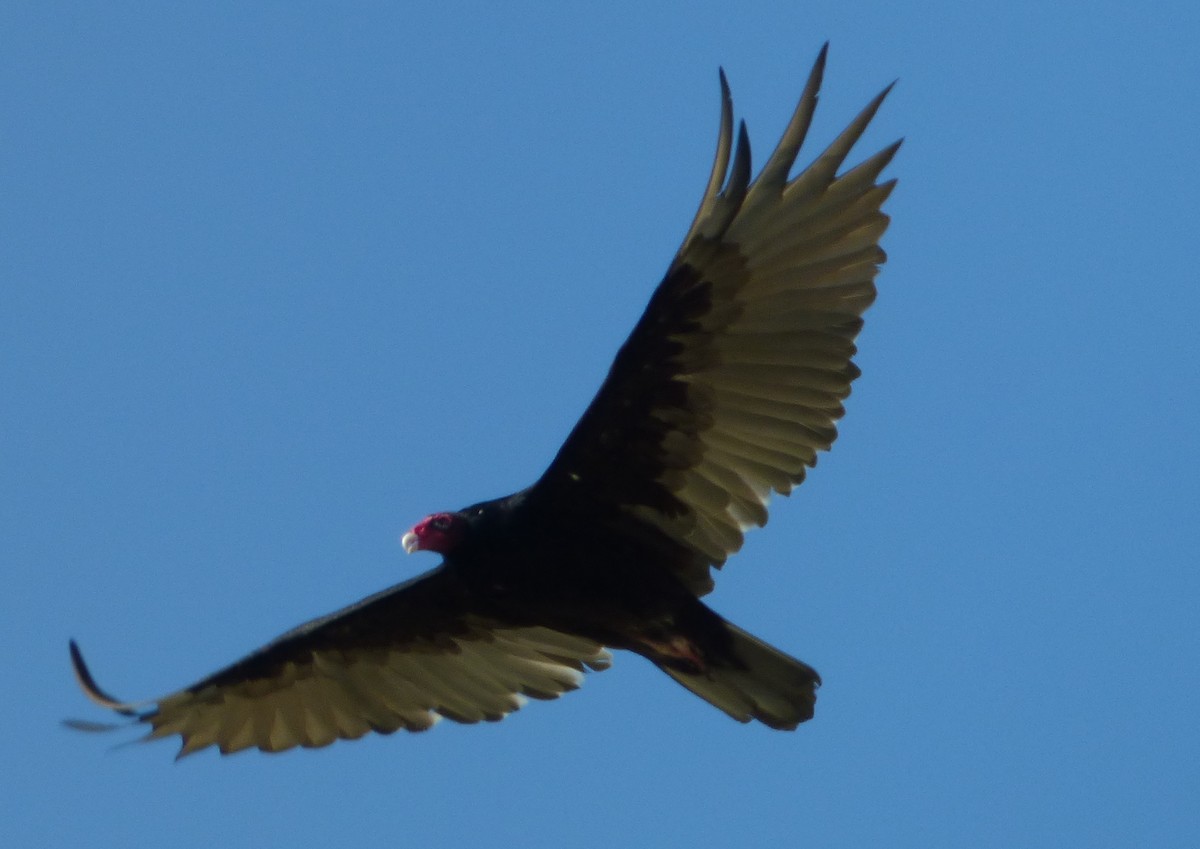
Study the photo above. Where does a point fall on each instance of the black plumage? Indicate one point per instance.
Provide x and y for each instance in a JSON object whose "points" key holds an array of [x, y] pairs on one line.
{"points": [[728, 386]]}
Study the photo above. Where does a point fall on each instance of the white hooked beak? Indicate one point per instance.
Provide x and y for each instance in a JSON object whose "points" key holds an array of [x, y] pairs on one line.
{"points": [[410, 542]]}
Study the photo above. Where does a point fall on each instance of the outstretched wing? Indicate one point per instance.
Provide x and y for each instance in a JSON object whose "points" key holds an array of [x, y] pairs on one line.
{"points": [[403, 658], [734, 377]]}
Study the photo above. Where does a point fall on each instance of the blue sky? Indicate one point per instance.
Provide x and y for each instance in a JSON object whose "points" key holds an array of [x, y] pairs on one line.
{"points": [[280, 279]]}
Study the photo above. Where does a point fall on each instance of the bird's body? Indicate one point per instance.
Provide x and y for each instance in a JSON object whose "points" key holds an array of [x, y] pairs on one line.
{"points": [[611, 587], [726, 389]]}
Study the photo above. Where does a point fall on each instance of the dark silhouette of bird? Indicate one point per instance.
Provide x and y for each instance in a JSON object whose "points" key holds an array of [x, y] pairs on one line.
{"points": [[730, 383]]}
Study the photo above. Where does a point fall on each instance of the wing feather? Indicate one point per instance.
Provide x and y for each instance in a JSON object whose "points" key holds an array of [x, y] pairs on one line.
{"points": [[403, 658], [734, 377]]}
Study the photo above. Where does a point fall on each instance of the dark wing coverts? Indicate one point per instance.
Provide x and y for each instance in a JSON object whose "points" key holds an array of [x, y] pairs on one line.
{"points": [[734, 377], [401, 659]]}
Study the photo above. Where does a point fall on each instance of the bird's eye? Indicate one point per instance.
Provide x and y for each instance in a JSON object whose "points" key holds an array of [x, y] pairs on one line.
{"points": [[441, 523]]}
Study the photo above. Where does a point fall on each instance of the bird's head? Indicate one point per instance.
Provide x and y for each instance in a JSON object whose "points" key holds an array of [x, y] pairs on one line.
{"points": [[440, 532]]}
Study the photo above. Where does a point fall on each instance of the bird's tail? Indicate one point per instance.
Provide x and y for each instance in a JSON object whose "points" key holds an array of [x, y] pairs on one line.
{"points": [[752, 680]]}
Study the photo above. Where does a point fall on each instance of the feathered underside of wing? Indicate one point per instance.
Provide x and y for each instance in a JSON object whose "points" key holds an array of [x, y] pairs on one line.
{"points": [[338, 678], [734, 377]]}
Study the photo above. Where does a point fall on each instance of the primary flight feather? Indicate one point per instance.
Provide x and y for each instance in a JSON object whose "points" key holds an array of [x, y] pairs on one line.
{"points": [[728, 386]]}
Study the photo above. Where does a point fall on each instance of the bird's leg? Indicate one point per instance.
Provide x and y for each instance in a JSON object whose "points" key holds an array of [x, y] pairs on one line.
{"points": [[674, 650]]}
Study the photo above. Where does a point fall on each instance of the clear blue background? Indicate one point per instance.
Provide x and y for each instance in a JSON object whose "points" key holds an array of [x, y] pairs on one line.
{"points": [[281, 278]]}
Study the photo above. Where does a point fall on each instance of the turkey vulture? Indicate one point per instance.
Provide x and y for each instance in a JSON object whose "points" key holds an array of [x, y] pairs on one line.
{"points": [[728, 386]]}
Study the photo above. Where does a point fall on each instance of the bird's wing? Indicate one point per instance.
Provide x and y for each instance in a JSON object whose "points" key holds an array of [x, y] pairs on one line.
{"points": [[403, 658], [734, 376]]}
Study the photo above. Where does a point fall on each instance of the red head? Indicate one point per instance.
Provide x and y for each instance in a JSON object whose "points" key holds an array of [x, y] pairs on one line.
{"points": [[440, 532]]}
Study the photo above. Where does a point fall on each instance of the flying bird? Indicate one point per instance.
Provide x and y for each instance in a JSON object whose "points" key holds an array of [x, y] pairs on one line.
{"points": [[730, 383]]}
